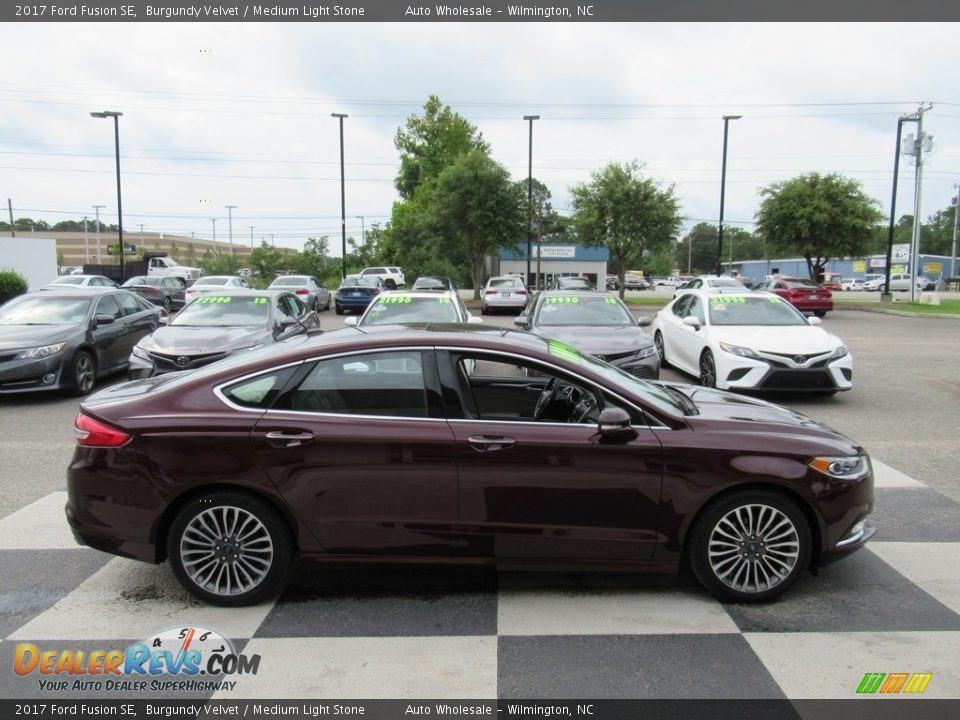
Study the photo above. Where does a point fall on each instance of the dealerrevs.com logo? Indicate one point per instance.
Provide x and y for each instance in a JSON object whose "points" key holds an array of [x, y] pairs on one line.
{"points": [[894, 683], [179, 659]]}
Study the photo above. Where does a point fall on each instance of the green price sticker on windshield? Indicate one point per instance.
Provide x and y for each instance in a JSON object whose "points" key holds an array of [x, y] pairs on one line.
{"points": [[395, 300], [444, 301], [562, 350], [727, 299], [562, 300], [610, 301], [775, 299], [260, 301], [214, 299]]}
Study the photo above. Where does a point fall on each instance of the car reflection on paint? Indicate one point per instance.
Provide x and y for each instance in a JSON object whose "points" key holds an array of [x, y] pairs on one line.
{"points": [[456, 444]]}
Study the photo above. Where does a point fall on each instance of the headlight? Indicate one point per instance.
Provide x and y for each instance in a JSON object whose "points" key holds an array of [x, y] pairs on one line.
{"points": [[839, 352], [647, 352], [740, 351], [40, 352], [848, 467], [141, 353]]}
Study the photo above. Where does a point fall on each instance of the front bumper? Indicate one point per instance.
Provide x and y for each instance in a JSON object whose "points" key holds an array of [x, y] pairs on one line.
{"points": [[784, 375], [17, 376]]}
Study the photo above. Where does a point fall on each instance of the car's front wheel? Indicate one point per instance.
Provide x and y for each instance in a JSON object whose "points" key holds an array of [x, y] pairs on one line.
{"points": [[750, 546], [708, 370], [82, 373], [661, 351], [230, 549]]}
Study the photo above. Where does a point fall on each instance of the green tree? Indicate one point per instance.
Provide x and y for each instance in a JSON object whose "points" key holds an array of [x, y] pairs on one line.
{"points": [[477, 209], [432, 141], [219, 263], [627, 213], [314, 259], [819, 217], [266, 261], [365, 253]]}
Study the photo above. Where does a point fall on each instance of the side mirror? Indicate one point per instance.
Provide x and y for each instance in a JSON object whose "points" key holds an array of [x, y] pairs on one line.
{"points": [[615, 426], [164, 319], [474, 320], [644, 321], [692, 321], [814, 320], [522, 322], [104, 319], [350, 321], [288, 322]]}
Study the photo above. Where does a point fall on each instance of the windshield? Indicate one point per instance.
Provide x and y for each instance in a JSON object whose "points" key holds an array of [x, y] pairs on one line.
{"points": [[211, 281], [399, 309], [224, 311], [753, 310], [35, 310], [289, 281], [628, 383], [69, 280], [600, 310]]}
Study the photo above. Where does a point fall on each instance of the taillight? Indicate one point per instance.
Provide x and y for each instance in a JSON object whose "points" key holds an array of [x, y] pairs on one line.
{"points": [[151, 291], [92, 433], [374, 292], [303, 291], [490, 292], [519, 292]]}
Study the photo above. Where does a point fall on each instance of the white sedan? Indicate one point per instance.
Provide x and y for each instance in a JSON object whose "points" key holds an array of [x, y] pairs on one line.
{"points": [[750, 341]]}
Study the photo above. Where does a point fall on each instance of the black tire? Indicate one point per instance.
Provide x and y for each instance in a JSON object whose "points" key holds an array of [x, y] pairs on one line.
{"points": [[316, 303], [391, 284], [820, 313], [339, 310], [658, 341], [327, 306], [484, 310], [167, 304], [708, 370], [82, 373], [718, 563], [254, 573]]}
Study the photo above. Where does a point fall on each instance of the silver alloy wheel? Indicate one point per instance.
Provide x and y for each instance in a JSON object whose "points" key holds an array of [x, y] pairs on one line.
{"points": [[753, 548], [84, 373], [226, 550]]}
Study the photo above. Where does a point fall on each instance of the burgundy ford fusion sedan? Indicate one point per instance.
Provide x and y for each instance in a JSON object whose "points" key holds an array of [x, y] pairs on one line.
{"points": [[456, 444]]}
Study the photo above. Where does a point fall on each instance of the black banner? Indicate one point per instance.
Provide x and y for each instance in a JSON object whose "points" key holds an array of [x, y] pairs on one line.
{"points": [[855, 709], [321, 11]]}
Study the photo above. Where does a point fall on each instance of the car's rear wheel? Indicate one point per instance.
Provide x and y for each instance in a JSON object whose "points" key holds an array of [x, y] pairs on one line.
{"points": [[82, 373], [167, 304], [230, 549], [327, 306], [750, 546], [391, 284], [339, 310], [820, 313], [661, 351], [708, 370]]}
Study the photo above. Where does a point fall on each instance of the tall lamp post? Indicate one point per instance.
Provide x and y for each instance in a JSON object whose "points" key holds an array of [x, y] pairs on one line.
{"points": [[213, 221], [723, 187], [363, 229], [230, 226], [530, 119], [343, 197], [251, 235], [116, 139]]}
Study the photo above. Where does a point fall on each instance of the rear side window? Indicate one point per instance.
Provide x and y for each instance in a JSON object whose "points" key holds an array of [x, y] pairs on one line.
{"points": [[387, 384], [129, 304], [258, 392]]}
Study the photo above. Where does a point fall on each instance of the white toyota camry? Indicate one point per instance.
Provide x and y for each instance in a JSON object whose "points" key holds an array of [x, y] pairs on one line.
{"points": [[750, 341]]}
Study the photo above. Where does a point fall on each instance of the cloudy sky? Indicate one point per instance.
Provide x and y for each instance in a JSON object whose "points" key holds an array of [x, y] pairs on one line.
{"points": [[239, 114]]}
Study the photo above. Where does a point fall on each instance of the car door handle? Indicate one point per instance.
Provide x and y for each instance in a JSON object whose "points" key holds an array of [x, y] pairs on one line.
{"points": [[282, 439], [486, 443]]}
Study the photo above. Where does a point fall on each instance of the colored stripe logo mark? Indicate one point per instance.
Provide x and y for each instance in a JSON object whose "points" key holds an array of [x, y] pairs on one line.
{"points": [[894, 683]]}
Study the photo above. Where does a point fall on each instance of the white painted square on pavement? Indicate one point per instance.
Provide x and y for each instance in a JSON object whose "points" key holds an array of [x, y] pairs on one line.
{"points": [[41, 525], [934, 567], [885, 476]]}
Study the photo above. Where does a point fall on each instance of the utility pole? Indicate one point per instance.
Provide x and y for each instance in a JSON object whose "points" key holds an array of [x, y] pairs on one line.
{"points": [[917, 196], [230, 226], [956, 227], [86, 242], [213, 221], [251, 235], [96, 209], [13, 232]]}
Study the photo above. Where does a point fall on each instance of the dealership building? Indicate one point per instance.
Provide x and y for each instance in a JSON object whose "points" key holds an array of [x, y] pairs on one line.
{"points": [[934, 267], [554, 261]]}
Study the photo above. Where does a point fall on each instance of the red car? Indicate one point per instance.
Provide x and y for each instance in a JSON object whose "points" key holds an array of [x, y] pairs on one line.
{"points": [[456, 444], [805, 295]]}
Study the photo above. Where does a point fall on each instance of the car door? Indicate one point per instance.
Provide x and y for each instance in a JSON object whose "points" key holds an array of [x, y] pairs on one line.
{"points": [[689, 340], [546, 489], [110, 338], [672, 329], [359, 449]]}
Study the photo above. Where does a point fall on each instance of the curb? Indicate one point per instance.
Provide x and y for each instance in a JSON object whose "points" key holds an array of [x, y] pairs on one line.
{"points": [[890, 311]]}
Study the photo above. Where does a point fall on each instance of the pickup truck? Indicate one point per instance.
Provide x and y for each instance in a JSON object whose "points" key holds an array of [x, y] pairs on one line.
{"points": [[153, 263]]}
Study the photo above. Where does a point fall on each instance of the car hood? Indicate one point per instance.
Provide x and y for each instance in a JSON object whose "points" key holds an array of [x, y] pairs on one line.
{"points": [[192, 340], [19, 337], [719, 410], [599, 340], [806, 339]]}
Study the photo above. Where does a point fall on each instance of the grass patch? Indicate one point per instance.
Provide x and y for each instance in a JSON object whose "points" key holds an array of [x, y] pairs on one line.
{"points": [[946, 307], [647, 299]]}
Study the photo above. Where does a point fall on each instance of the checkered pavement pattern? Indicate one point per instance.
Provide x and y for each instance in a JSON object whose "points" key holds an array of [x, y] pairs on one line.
{"points": [[410, 632]]}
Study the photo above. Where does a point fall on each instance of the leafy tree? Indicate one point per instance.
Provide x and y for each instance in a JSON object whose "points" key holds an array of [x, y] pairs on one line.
{"points": [[266, 261], [627, 213], [26, 224], [432, 141], [314, 259], [936, 235], [219, 263], [477, 209], [12, 284], [819, 217], [365, 253]]}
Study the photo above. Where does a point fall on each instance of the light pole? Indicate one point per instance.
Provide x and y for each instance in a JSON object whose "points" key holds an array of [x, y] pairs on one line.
{"points": [[956, 230], [530, 119], [343, 197], [116, 140], [363, 229], [723, 187], [213, 221], [230, 225], [86, 242], [886, 294], [251, 235], [96, 209]]}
